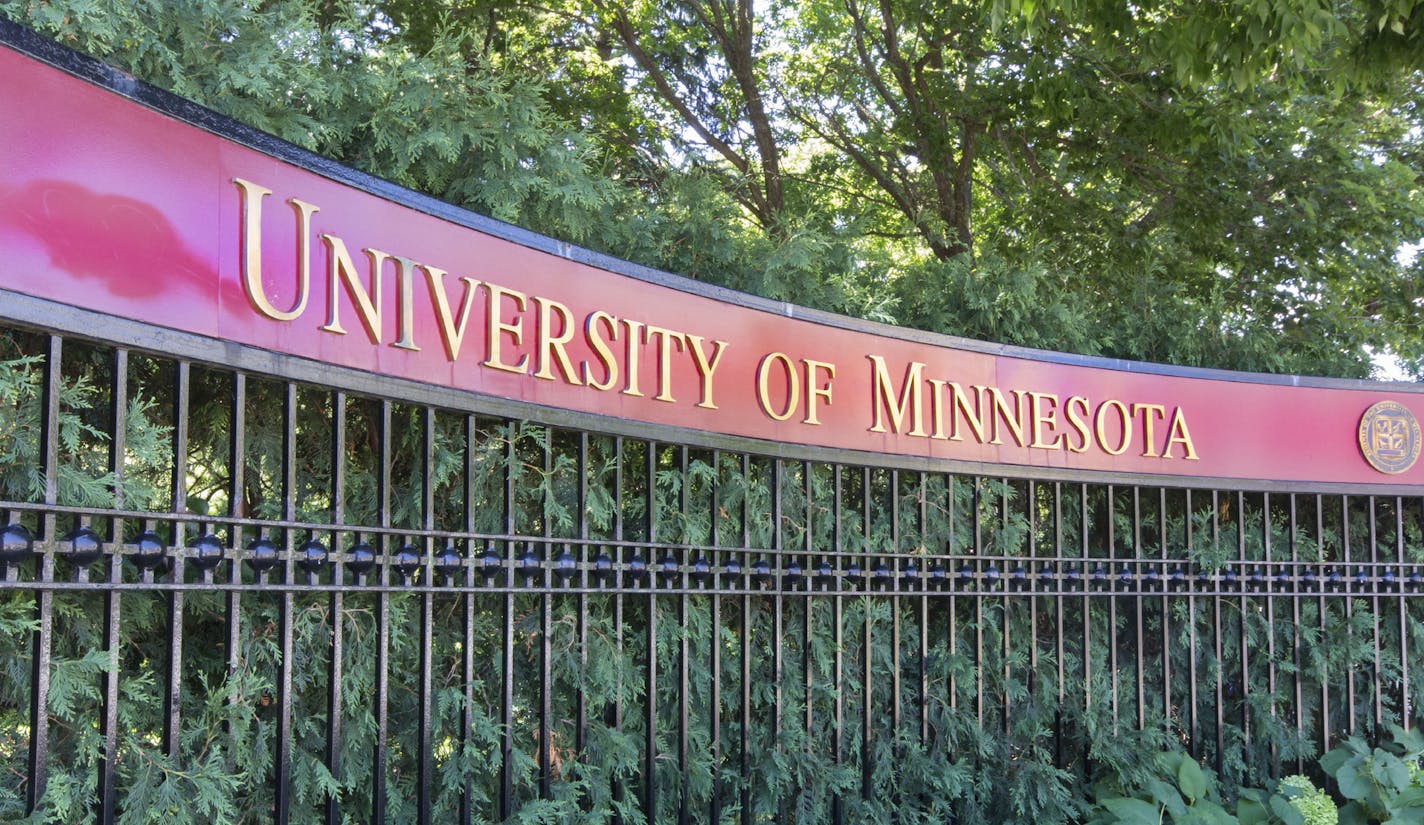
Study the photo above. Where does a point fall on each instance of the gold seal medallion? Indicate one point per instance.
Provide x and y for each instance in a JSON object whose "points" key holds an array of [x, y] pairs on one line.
{"points": [[1389, 437]]}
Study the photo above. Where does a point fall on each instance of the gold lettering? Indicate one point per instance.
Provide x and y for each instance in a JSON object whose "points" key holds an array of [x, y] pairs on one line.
{"points": [[883, 397], [342, 270], [252, 195], [937, 407], [1149, 432], [405, 305], [705, 368], [1042, 417], [635, 346], [1077, 409], [497, 328], [1001, 412], [1123, 416], [551, 348], [959, 404], [666, 340], [793, 386], [814, 391], [452, 329], [601, 350], [1177, 433]]}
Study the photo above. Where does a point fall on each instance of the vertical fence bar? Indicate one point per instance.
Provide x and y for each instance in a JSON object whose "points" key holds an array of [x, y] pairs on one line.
{"points": [[1139, 637], [1060, 564], [809, 546], [466, 811], [1351, 699], [807, 616], [923, 603], [237, 509], [1402, 579], [283, 770], [650, 719], [1112, 588], [1241, 580], [1005, 603], [506, 658], [952, 550], [424, 767], [684, 808], [42, 637], [894, 600], [1083, 552], [777, 646], [1325, 735], [1296, 578], [867, 766], [173, 683], [546, 630], [1189, 553], [1266, 570], [1166, 582], [981, 584], [838, 655], [714, 711], [1112, 584], [581, 600], [615, 717], [332, 805], [1030, 585], [109, 682], [1372, 582], [1216, 634], [744, 650], [896, 711], [383, 624]]}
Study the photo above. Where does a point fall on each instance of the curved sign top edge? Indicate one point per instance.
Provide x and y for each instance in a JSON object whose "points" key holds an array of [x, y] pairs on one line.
{"points": [[113, 206]]}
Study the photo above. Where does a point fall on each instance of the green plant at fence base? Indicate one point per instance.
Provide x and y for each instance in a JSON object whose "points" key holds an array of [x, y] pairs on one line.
{"points": [[1382, 784], [1183, 794], [1313, 803]]}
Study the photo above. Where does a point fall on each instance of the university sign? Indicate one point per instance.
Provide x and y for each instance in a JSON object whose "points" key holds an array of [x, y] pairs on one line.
{"points": [[116, 208]]}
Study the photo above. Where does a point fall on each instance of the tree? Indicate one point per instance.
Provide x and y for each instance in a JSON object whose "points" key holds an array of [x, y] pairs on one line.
{"points": [[1224, 188], [1228, 187]]}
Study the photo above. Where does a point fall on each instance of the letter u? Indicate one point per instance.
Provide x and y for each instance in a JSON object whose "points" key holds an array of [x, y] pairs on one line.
{"points": [[252, 195]]}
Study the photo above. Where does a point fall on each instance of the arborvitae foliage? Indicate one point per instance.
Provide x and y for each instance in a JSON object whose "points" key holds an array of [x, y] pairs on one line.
{"points": [[1030, 702]]}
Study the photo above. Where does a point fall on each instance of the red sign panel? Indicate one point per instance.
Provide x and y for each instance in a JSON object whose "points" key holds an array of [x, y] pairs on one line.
{"points": [[110, 206]]}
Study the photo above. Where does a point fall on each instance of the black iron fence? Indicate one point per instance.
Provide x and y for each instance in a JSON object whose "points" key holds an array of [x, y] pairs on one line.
{"points": [[231, 591]]}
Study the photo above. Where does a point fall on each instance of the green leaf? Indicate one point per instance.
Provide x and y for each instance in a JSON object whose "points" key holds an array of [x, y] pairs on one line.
{"points": [[1353, 814], [1352, 747], [1389, 771], [1285, 811], [1166, 796], [1133, 811], [1411, 740], [1191, 779], [1354, 783], [1251, 812], [1209, 813]]}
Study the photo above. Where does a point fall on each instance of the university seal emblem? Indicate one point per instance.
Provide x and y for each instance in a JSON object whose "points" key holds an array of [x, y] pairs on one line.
{"points": [[1389, 437]]}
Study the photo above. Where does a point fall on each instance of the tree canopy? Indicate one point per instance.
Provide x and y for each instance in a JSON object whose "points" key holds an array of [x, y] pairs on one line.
{"points": [[1237, 184]]}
